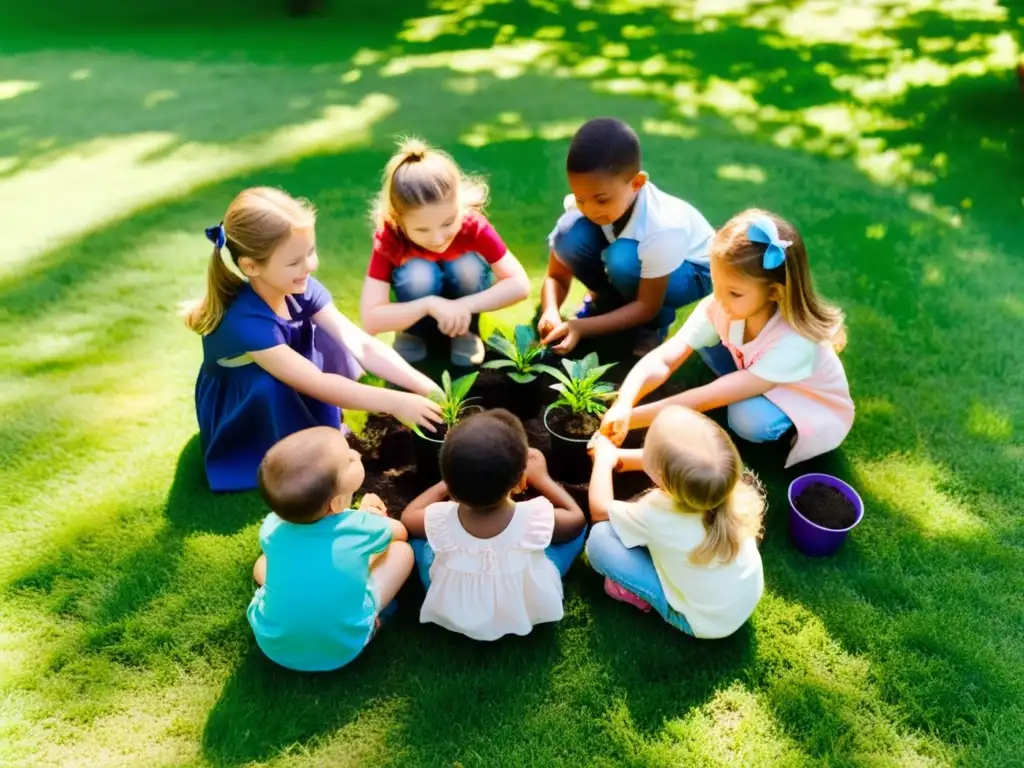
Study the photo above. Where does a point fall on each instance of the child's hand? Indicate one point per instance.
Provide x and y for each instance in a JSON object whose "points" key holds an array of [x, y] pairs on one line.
{"points": [[603, 451], [453, 318], [536, 466], [415, 410], [549, 320], [615, 424], [373, 503], [570, 336]]}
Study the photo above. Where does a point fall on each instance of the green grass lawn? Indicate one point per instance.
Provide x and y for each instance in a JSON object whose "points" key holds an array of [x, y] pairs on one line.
{"points": [[889, 131]]}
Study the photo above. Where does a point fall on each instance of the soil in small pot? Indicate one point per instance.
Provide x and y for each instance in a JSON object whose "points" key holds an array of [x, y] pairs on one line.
{"points": [[568, 460], [578, 426], [826, 506], [489, 389]]}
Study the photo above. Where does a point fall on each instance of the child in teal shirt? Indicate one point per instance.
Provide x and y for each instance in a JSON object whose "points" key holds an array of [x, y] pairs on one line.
{"points": [[327, 570]]}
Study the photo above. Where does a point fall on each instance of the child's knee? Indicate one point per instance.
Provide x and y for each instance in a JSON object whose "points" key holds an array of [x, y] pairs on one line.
{"points": [[622, 262], [577, 240], [600, 542], [467, 274], [403, 556], [416, 279], [758, 420]]}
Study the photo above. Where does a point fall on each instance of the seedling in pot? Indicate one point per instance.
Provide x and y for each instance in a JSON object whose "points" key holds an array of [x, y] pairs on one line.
{"points": [[453, 401], [582, 391], [519, 353]]}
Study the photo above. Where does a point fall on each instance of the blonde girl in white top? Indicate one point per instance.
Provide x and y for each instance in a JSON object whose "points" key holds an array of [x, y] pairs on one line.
{"points": [[688, 548], [492, 566]]}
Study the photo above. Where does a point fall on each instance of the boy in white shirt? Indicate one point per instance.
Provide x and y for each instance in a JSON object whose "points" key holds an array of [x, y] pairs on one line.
{"points": [[641, 252]]}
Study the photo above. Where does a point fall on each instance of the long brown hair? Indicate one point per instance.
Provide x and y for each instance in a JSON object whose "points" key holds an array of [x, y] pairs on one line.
{"points": [[806, 312], [420, 175], [258, 220], [700, 470]]}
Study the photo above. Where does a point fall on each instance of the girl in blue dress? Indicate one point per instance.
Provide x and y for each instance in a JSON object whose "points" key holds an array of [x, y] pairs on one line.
{"points": [[278, 356]]}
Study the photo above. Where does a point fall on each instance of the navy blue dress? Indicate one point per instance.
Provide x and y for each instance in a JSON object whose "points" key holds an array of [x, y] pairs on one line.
{"points": [[242, 409]]}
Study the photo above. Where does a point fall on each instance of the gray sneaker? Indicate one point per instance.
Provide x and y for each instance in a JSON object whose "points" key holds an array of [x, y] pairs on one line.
{"points": [[467, 350], [410, 347]]}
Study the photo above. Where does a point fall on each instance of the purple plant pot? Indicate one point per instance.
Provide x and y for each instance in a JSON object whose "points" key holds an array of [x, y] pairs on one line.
{"points": [[810, 538]]}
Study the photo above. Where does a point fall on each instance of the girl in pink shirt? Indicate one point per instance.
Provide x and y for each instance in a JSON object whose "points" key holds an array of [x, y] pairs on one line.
{"points": [[767, 334]]}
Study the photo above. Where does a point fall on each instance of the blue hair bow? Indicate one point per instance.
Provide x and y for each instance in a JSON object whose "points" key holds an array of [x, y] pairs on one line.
{"points": [[763, 230], [217, 235]]}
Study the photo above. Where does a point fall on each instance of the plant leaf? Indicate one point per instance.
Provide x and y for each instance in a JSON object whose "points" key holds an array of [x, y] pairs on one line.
{"points": [[600, 370], [524, 338], [589, 362], [446, 383], [570, 367], [559, 376], [500, 344], [499, 364], [544, 368], [460, 387], [521, 378], [558, 387]]}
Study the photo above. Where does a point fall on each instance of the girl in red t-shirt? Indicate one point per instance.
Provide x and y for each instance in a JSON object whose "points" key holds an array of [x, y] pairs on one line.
{"points": [[439, 254]]}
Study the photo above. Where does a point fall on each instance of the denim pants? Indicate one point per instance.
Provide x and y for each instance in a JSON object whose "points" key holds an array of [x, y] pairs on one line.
{"points": [[758, 419], [419, 278], [612, 271], [562, 555], [631, 569]]}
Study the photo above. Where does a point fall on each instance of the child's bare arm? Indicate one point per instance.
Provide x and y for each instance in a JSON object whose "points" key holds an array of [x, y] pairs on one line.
{"points": [[630, 460], [569, 518], [723, 391], [649, 300], [415, 512], [601, 493], [259, 570]]}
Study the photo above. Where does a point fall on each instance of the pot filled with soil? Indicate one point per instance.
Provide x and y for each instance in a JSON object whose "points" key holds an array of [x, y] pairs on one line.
{"points": [[822, 512], [454, 406], [568, 460], [575, 416]]}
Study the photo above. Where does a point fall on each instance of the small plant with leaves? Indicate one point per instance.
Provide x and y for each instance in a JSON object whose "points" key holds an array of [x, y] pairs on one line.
{"points": [[582, 391], [520, 353], [453, 401]]}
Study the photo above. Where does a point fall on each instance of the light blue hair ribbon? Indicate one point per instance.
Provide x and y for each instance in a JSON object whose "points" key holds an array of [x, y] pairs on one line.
{"points": [[763, 230]]}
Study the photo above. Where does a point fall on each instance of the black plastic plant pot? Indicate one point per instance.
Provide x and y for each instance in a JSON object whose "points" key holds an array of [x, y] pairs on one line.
{"points": [[525, 400], [568, 460], [427, 448]]}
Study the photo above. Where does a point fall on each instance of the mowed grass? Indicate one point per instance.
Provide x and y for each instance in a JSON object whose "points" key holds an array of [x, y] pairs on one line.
{"points": [[889, 132]]}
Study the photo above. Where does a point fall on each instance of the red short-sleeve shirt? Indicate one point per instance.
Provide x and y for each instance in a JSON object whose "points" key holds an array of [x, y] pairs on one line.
{"points": [[391, 248]]}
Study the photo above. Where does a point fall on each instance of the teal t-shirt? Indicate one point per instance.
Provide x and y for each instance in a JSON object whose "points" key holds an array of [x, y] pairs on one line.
{"points": [[317, 609]]}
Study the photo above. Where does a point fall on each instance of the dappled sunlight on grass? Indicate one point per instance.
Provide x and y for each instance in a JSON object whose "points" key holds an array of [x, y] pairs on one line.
{"points": [[141, 170], [914, 488], [10, 89]]}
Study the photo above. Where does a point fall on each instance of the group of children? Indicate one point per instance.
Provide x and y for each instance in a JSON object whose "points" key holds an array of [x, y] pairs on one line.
{"points": [[280, 362]]}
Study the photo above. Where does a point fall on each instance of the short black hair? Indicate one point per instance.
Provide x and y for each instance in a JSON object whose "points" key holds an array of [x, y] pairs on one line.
{"points": [[604, 145], [484, 457], [299, 475]]}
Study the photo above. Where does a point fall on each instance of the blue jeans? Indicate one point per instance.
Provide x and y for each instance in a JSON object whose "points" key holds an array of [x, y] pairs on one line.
{"points": [[631, 569], [757, 420], [418, 278], [562, 555], [612, 271]]}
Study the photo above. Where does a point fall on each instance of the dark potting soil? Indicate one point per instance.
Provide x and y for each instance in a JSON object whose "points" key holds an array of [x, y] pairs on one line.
{"points": [[576, 425], [390, 461], [826, 506], [488, 390]]}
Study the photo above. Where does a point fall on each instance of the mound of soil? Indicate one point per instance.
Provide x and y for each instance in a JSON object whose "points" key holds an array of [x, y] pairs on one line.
{"points": [[576, 425]]}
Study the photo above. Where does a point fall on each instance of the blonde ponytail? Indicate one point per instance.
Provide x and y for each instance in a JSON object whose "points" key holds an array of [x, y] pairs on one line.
{"points": [[258, 220], [419, 175], [221, 287]]}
